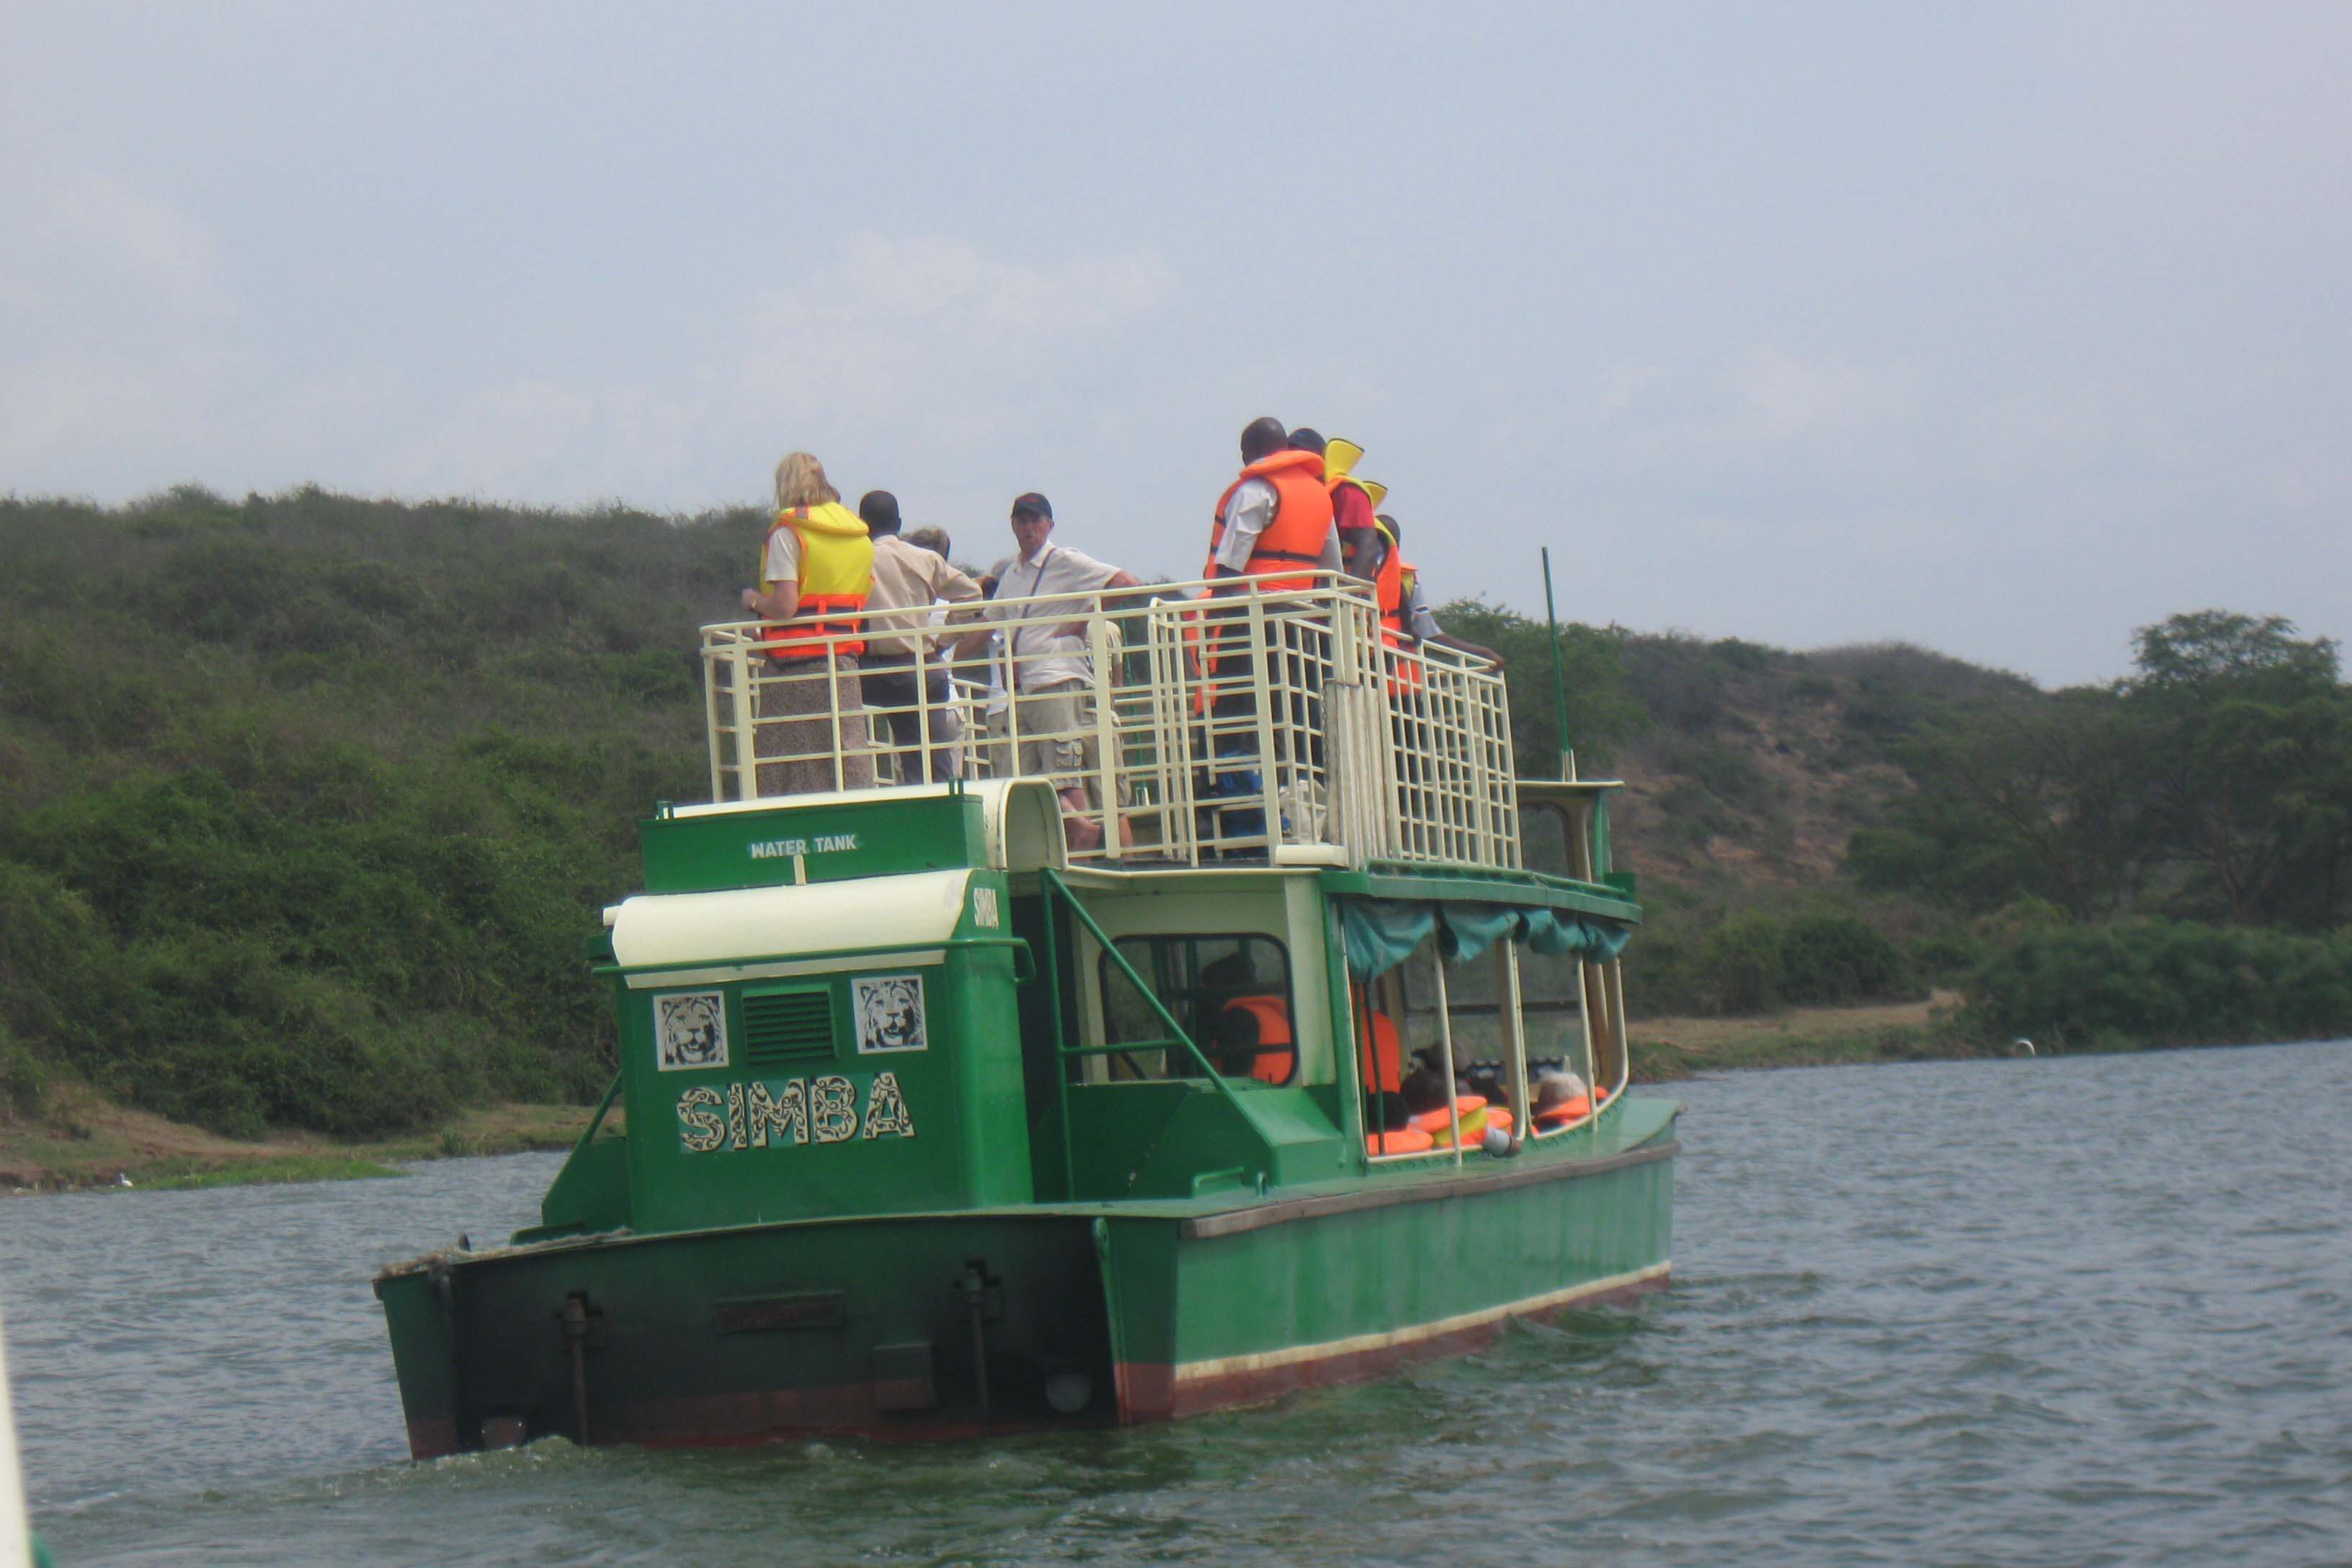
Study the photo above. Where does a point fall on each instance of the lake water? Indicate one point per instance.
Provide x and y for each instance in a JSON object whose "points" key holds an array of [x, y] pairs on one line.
{"points": [[2072, 1311]]}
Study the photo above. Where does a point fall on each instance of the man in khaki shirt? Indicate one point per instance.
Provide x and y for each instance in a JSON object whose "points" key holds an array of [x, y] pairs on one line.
{"points": [[909, 580]]}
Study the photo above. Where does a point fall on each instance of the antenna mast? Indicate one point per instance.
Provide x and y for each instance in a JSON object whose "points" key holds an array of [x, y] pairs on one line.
{"points": [[1558, 681]]}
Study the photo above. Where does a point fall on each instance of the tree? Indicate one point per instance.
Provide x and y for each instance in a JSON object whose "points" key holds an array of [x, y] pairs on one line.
{"points": [[1599, 710], [2215, 782], [2245, 734], [2018, 797]]}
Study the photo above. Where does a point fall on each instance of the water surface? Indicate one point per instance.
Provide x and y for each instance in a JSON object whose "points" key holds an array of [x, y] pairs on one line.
{"points": [[2073, 1311]]}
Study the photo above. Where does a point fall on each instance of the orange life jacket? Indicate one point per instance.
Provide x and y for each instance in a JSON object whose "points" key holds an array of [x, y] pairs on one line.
{"points": [[836, 575], [1301, 522], [1293, 537], [1388, 585], [1378, 1052], [1402, 1140], [1275, 1060]]}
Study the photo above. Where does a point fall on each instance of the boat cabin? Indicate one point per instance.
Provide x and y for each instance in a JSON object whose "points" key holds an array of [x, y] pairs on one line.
{"points": [[1209, 889]]}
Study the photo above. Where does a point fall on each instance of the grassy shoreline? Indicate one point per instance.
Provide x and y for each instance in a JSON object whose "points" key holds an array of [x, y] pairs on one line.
{"points": [[83, 1143], [1665, 1049]]}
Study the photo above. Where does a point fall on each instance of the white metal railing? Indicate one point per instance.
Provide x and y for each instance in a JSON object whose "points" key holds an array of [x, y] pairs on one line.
{"points": [[1185, 723]]}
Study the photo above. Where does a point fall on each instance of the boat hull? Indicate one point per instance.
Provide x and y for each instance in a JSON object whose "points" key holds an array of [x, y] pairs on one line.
{"points": [[953, 1324]]}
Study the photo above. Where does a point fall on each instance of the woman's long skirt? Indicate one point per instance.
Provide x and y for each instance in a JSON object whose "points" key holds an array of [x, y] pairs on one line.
{"points": [[803, 743]]}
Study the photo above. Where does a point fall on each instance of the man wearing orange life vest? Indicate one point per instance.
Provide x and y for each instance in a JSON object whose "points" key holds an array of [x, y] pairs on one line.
{"points": [[1249, 1030], [816, 569], [1273, 530], [1274, 521]]}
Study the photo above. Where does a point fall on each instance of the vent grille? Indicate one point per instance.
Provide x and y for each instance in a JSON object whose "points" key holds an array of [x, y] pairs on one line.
{"points": [[787, 1027]]}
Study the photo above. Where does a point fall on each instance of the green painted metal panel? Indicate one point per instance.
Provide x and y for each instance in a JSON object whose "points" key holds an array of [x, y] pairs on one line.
{"points": [[770, 847], [1160, 1139], [423, 1357], [1139, 1264], [1376, 1272], [734, 1332], [590, 1194], [1181, 1137], [792, 1126]]}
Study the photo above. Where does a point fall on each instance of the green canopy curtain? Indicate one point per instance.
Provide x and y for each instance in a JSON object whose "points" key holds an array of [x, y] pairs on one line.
{"points": [[1381, 932]]}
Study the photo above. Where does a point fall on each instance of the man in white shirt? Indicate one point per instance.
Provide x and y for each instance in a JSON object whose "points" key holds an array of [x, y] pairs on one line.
{"points": [[910, 580], [1053, 673]]}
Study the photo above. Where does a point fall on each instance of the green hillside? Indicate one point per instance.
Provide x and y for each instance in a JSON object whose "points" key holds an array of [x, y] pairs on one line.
{"points": [[307, 803]]}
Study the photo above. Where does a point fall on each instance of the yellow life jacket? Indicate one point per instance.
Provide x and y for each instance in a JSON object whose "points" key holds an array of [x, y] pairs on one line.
{"points": [[836, 575]]}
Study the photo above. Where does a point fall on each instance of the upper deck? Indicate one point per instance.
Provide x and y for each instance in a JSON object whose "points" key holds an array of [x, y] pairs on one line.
{"points": [[1198, 723]]}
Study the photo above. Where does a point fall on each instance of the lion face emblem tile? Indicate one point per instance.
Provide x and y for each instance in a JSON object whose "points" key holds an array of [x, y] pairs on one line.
{"points": [[889, 1010]]}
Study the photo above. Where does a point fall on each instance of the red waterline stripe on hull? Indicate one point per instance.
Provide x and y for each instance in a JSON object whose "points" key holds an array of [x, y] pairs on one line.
{"points": [[430, 1436], [1150, 1392]]}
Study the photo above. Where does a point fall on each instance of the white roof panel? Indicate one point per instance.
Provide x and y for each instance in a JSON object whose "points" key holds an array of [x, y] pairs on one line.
{"points": [[767, 922]]}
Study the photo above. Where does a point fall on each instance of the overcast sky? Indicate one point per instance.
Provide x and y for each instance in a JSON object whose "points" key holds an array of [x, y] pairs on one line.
{"points": [[2003, 329]]}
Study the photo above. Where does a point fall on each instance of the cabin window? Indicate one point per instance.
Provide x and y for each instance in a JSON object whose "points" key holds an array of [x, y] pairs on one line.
{"points": [[1551, 1008], [1544, 841], [1231, 993]]}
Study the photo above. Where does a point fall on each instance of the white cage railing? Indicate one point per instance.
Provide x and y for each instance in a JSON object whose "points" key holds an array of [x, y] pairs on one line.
{"points": [[1182, 723]]}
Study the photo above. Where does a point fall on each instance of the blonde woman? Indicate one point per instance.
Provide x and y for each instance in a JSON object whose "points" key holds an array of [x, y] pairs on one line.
{"points": [[816, 567]]}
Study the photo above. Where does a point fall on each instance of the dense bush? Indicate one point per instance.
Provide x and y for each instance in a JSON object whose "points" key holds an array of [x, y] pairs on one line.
{"points": [[1593, 684], [1758, 962], [1741, 966], [307, 803], [2154, 983], [1832, 958]]}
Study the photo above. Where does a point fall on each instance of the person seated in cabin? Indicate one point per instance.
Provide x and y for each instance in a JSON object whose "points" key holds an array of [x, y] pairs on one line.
{"points": [[1397, 1122], [816, 571], [1388, 1113], [1484, 1079], [1560, 1096], [1249, 1024], [1428, 1087]]}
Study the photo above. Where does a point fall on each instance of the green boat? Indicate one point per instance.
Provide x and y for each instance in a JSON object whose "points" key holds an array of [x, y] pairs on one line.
{"points": [[927, 1122]]}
